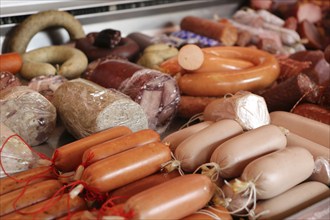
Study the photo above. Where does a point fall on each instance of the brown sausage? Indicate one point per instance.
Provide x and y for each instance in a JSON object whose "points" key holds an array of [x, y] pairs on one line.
{"points": [[68, 157], [224, 33], [117, 145], [126, 167], [28, 196], [173, 199], [49, 209], [122, 194], [210, 213], [30, 176], [313, 111], [234, 154]]}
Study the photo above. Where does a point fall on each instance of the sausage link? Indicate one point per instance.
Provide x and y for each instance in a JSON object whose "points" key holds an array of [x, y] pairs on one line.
{"points": [[68, 157], [173, 199], [30, 195], [126, 167]]}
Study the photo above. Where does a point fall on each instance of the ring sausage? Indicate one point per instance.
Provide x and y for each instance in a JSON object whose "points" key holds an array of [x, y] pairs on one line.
{"points": [[198, 148], [126, 167], [68, 157], [260, 76], [234, 154], [120, 144], [40, 21], [173, 199]]}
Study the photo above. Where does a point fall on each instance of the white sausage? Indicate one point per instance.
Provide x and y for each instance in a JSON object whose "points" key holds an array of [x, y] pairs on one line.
{"points": [[321, 156], [279, 171], [291, 201], [198, 148], [234, 154], [175, 138], [315, 131]]}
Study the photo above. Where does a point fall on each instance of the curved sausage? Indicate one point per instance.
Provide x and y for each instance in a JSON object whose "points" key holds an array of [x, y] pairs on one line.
{"points": [[28, 196], [198, 148], [173, 199], [21, 179], [260, 76], [60, 206], [174, 139], [234, 154], [40, 21], [120, 144], [126, 167], [292, 201], [68, 157], [125, 192], [315, 131], [279, 171]]}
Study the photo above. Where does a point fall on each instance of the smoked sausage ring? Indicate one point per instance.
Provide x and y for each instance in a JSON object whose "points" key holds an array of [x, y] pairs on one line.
{"points": [[126, 48], [261, 75], [40, 21]]}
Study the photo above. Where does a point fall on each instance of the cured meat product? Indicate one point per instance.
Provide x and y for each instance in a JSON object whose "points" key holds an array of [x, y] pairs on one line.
{"points": [[288, 93], [27, 113], [290, 68], [314, 112], [7, 80], [86, 108]]}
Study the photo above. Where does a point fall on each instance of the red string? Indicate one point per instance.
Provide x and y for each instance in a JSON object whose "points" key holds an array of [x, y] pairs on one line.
{"points": [[88, 159], [107, 205], [42, 156]]}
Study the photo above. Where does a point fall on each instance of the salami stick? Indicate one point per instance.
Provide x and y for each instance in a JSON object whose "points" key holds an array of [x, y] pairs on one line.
{"points": [[224, 33], [286, 94]]}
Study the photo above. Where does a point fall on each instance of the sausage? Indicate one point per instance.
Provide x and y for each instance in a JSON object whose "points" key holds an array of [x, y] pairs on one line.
{"points": [[68, 157], [283, 96], [198, 148], [248, 109], [308, 128], [309, 31], [176, 138], [28, 196], [224, 33], [320, 154], [173, 199], [260, 76], [10, 62], [24, 32], [141, 39], [122, 194], [80, 215], [210, 213], [291, 201], [8, 80], [236, 153], [126, 48], [274, 173], [49, 209], [120, 144], [38, 62], [190, 57], [118, 170], [24, 178], [313, 111]]}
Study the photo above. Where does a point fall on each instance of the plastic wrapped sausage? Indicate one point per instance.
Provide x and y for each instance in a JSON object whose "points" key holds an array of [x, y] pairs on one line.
{"points": [[28, 113], [156, 92], [86, 108]]}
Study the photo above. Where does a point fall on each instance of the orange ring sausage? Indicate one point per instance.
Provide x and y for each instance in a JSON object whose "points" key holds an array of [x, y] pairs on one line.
{"points": [[261, 75]]}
